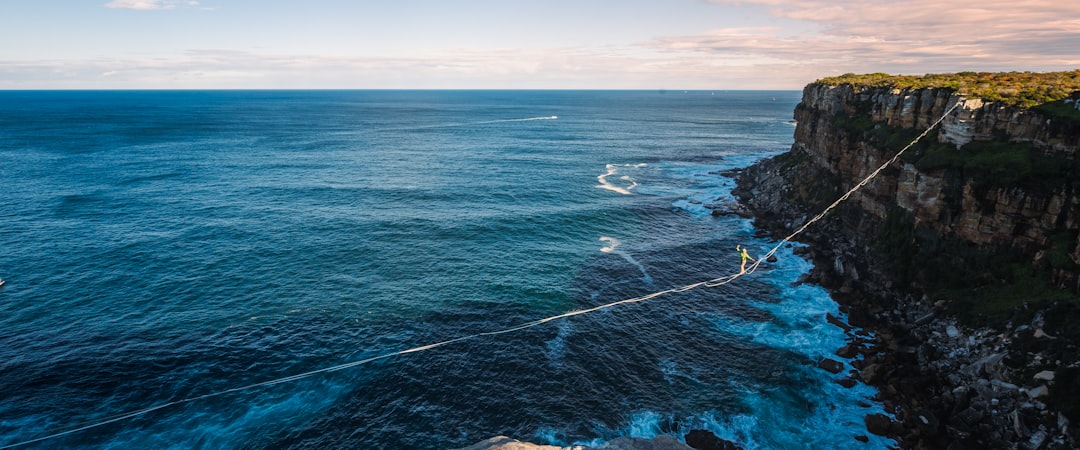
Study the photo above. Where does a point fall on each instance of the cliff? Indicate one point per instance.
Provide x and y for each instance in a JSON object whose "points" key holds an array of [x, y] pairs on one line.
{"points": [[964, 255]]}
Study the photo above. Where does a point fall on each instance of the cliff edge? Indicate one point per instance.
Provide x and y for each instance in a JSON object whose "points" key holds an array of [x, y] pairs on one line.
{"points": [[964, 256]]}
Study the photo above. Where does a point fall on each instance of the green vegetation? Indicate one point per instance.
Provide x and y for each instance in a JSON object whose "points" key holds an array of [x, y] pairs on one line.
{"points": [[1061, 109], [1018, 289], [996, 162], [1061, 245], [995, 285], [982, 285], [855, 125], [1026, 89], [929, 154], [818, 191]]}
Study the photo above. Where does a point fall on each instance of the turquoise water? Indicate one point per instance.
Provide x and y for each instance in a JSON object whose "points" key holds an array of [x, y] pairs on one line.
{"points": [[162, 246]]}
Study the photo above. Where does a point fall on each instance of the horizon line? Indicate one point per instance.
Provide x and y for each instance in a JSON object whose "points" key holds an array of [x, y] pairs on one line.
{"points": [[664, 90]]}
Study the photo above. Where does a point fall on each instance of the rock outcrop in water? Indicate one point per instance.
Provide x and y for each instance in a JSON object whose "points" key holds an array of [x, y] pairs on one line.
{"points": [[963, 257]]}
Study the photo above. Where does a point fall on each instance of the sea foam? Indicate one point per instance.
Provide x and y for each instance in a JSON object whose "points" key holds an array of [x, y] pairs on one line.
{"points": [[628, 183]]}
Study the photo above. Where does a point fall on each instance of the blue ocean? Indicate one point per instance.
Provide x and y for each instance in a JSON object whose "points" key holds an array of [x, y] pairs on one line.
{"points": [[183, 268]]}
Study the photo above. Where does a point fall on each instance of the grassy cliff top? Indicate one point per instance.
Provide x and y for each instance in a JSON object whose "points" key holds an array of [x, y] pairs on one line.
{"points": [[1025, 89]]}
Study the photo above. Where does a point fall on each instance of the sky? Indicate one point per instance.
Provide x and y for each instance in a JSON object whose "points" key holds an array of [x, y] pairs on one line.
{"points": [[519, 44]]}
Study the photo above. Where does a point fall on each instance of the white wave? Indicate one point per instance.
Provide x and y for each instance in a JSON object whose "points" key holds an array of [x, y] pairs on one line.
{"points": [[798, 319], [776, 416], [612, 243], [611, 248], [556, 347], [445, 125], [773, 422], [527, 119], [778, 419], [613, 169], [231, 428]]}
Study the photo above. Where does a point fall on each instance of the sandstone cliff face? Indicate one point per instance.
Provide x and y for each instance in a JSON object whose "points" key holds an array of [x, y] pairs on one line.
{"points": [[1031, 218], [991, 186]]}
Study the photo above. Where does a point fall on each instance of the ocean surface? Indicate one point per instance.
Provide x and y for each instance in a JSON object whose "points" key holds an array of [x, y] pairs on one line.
{"points": [[183, 268]]}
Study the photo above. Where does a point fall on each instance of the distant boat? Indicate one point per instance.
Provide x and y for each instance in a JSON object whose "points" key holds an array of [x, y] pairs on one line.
{"points": [[1, 281]]}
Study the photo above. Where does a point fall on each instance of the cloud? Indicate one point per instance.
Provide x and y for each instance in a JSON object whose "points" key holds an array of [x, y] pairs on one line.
{"points": [[453, 68], [140, 4], [149, 5], [797, 42], [914, 36]]}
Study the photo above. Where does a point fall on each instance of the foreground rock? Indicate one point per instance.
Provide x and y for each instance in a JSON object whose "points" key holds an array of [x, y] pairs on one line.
{"points": [[505, 443], [704, 440], [623, 443], [695, 440]]}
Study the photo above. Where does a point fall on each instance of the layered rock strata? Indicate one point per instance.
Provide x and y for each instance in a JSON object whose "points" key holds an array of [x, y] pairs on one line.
{"points": [[990, 192]]}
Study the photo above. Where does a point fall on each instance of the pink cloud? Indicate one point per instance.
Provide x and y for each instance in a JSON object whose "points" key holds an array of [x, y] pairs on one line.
{"points": [[149, 5], [914, 36]]}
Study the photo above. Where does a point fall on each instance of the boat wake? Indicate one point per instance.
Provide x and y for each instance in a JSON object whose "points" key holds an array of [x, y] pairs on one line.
{"points": [[488, 122]]}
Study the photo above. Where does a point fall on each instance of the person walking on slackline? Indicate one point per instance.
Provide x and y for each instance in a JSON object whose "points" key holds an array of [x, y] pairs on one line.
{"points": [[745, 256]]}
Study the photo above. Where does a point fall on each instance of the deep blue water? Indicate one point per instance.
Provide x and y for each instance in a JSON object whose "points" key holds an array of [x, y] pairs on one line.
{"points": [[161, 246]]}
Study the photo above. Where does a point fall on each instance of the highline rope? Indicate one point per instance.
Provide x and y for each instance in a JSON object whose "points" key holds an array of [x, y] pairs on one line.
{"points": [[709, 283]]}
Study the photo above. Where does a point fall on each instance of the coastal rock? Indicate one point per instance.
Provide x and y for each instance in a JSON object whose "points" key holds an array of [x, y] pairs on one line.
{"points": [[923, 222], [878, 424], [927, 422], [1019, 427], [1040, 391], [848, 351], [836, 321], [506, 443], [870, 373], [1037, 440], [970, 416], [829, 148], [831, 365], [847, 382], [989, 362], [1003, 385], [1039, 333], [1046, 375], [706, 440], [951, 331]]}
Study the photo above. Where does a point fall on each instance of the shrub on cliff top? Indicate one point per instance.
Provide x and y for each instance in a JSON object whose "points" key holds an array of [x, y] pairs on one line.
{"points": [[1026, 89]]}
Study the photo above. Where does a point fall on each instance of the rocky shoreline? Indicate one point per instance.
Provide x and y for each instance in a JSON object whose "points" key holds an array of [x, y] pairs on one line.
{"points": [[962, 258], [958, 267], [946, 386]]}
